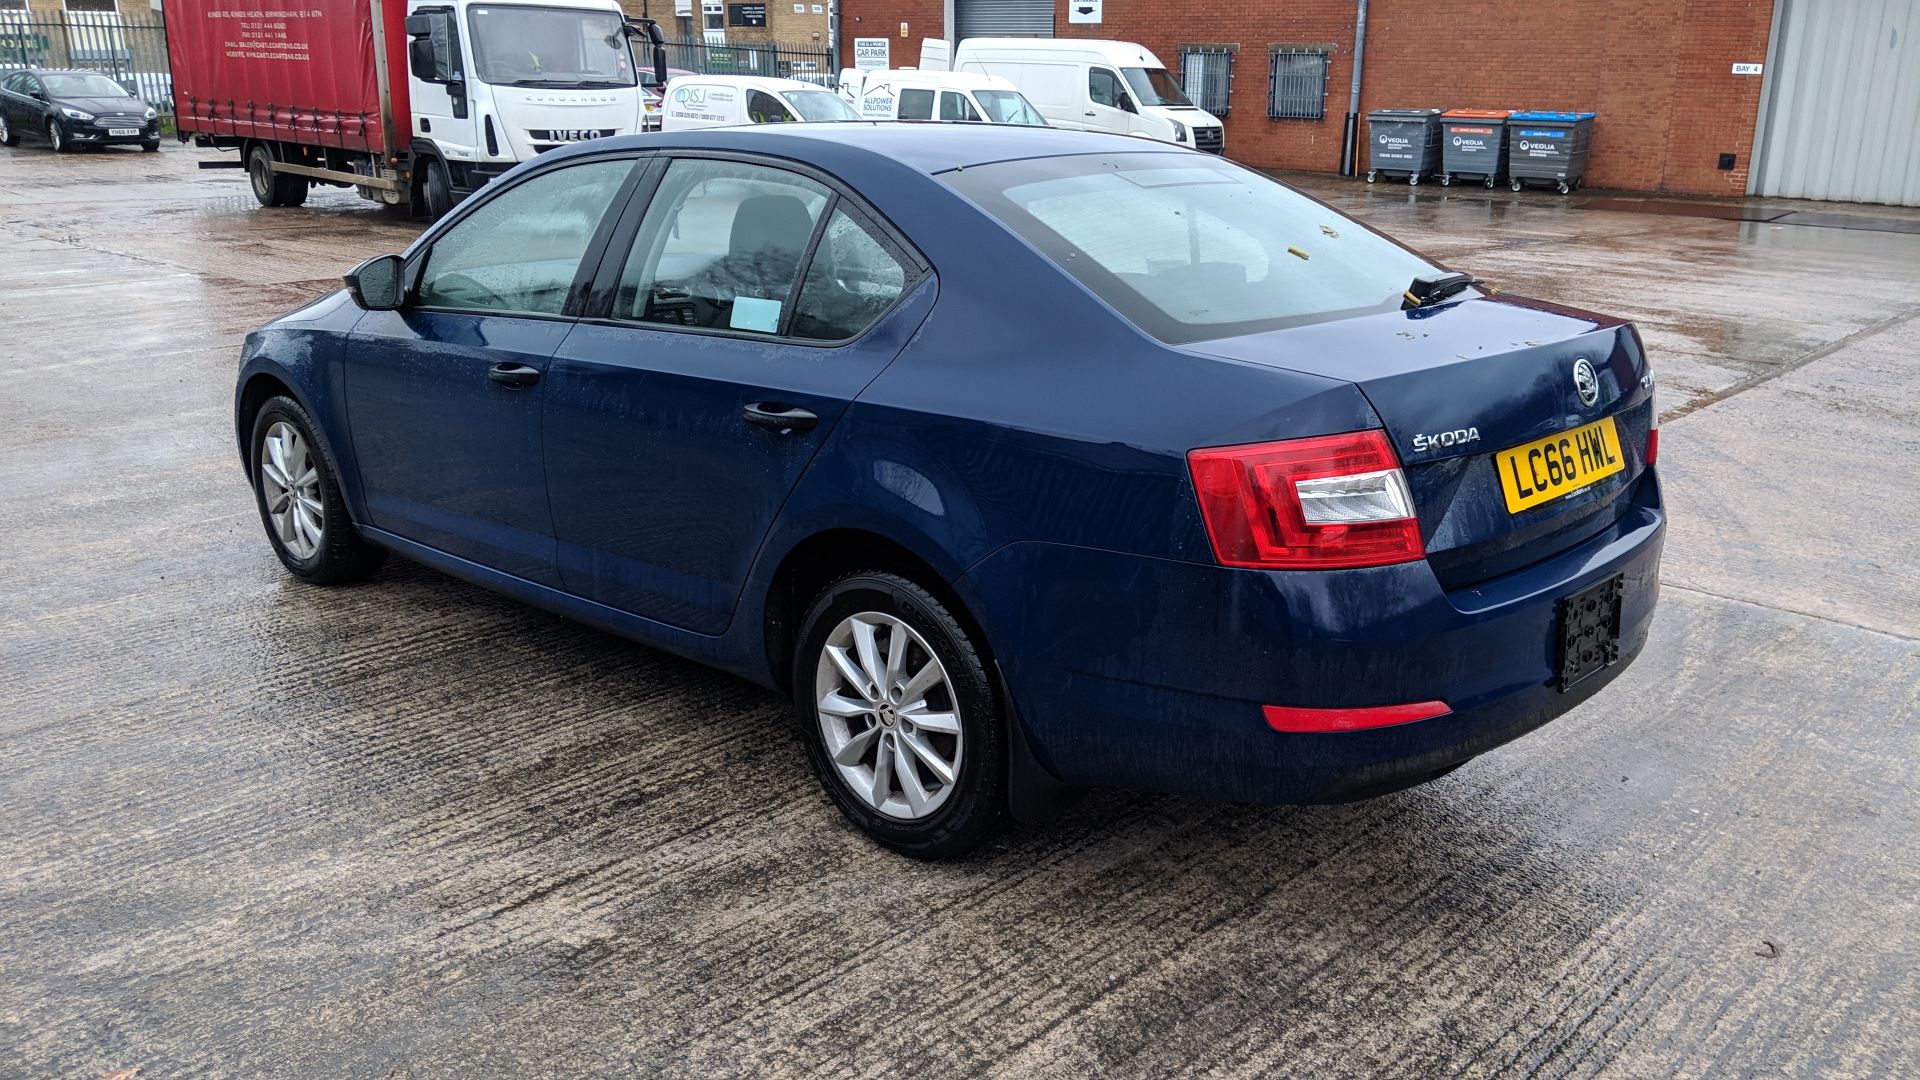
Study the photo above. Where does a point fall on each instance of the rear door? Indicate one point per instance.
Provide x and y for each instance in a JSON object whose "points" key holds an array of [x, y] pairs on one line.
{"points": [[444, 395], [733, 320]]}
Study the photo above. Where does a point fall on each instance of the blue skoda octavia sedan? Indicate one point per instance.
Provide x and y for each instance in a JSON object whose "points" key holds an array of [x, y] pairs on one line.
{"points": [[1022, 459]]}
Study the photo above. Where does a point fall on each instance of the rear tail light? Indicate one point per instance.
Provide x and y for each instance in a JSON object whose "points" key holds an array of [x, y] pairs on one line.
{"points": [[1329, 502], [1653, 445]]}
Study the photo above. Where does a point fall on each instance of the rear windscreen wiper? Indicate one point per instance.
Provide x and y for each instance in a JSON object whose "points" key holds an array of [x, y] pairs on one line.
{"points": [[1433, 288]]}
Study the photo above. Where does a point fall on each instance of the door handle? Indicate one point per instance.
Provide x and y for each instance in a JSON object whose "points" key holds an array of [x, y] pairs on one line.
{"points": [[513, 374], [770, 414], [1090, 112]]}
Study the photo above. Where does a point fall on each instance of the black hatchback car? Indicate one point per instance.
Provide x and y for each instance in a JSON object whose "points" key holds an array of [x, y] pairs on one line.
{"points": [[69, 108]]}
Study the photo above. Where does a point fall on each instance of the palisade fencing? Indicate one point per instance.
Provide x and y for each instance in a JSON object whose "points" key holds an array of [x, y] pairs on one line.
{"points": [[130, 50], [805, 61]]}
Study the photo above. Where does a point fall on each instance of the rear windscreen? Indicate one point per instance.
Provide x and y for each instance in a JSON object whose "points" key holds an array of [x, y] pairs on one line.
{"points": [[1189, 247]]}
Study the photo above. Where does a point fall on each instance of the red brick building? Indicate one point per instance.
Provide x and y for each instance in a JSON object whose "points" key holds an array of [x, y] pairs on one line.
{"points": [[1661, 74]]}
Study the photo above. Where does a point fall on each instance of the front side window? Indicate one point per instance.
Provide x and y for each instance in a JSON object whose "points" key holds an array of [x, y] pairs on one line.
{"points": [[558, 48], [956, 107], [1104, 87], [1190, 248], [916, 104], [520, 252], [1153, 86], [764, 108], [720, 247], [851, 282]]}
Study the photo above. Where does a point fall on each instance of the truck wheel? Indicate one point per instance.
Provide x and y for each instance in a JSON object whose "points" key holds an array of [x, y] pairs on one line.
{"points": [[260, 176], [293, 189], [438, 192]]}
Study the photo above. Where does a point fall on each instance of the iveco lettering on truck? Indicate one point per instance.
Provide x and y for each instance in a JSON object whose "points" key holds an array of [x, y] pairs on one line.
{"points": [[410, 102]]}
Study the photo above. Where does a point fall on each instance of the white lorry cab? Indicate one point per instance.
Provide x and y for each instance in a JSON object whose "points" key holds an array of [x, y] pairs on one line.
{"points": [[911, 94], [701, 101], [1112, 86], [494, 83]]}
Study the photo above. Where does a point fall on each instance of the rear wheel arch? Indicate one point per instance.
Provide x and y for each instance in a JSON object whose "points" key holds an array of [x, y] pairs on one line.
{"points": [[820, 559]]}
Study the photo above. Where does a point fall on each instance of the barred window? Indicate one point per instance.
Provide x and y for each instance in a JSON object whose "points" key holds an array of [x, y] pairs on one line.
{"points": [[1206, 74], [1297, 82]]}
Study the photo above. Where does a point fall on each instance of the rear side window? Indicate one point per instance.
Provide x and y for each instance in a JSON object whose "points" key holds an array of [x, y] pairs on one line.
{"points": [[956, 107], [916, 104], [520, 251], [720, 247], [1189, 247], [852, 281]]}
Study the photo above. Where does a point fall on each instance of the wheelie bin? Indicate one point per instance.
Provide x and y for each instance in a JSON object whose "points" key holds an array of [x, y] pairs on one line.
{"points": [[1404, 142], [1473, 144], [1548, 146]]}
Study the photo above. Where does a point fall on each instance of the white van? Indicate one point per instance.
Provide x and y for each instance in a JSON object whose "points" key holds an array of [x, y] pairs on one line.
{"points": [[1112, 86], [701, 101], [909, 94]]}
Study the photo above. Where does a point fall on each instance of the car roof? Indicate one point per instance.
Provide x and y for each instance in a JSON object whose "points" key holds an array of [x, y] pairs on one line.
{"points": [[760, 82], [927, 148]]}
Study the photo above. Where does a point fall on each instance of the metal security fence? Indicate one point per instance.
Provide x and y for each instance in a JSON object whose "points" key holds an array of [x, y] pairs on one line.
{"points": [[129, 49], [1297, 81], [1206, 74], [805, 61]]}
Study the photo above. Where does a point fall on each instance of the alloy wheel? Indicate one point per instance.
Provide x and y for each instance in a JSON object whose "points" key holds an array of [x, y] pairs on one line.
{"points": [[55, 136], [6, 133], [290, 487], [888, 715]]}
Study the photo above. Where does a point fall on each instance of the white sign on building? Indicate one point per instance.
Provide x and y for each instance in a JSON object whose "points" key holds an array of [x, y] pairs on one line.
{"points": [[871, 53]]}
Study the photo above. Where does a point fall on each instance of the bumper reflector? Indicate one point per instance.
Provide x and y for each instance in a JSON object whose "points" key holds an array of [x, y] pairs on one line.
{"points": [[1289, 719]]}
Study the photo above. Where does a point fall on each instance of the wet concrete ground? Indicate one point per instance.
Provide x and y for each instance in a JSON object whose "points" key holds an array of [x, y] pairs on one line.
{"points": [[250, 828]]}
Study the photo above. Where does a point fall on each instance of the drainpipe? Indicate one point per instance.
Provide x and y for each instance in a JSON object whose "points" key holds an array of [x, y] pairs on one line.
{"points": [[1349, 142]]}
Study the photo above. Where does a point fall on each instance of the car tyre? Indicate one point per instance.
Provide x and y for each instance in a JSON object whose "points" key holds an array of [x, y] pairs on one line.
{"points": [[57, 137], [947, 716], [293, 484], [151, 146], [8, 136]]}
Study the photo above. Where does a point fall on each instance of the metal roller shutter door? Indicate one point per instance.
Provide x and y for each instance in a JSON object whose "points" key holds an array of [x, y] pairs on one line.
{"points": [[1840, 118], [1002, 18]]}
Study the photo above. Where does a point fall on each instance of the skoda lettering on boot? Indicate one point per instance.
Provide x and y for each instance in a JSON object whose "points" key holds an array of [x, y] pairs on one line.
{"points": [[1442, 439]]}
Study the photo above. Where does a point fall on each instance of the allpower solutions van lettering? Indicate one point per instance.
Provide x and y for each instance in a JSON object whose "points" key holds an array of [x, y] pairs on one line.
{"points": [[700, 101], [1115, 86], [910, 94]]}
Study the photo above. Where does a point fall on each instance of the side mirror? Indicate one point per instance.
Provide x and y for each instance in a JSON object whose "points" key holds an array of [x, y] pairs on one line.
{"points": [[376, 283], [421, 59], [419, 26]]}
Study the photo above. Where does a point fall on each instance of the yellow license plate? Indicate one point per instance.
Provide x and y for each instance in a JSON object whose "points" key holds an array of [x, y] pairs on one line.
{"points": [[1546, 469]]}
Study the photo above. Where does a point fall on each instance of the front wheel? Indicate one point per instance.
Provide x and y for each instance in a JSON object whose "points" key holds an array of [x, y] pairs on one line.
{"points": [[439, 193], [300, 502], [8, 137], [151, 146], [57, 137], [900, 719]]}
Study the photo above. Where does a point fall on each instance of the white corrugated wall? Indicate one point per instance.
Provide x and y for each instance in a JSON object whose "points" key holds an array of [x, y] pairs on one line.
{"points": [[1840, 118]]}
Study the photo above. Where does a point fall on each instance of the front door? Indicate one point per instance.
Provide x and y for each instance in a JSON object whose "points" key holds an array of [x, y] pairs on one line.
{"points": [[1110, 107], [444, 395], [751, 306], [438, 97]]}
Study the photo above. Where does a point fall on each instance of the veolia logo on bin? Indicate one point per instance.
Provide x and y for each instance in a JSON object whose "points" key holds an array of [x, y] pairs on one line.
{"points": [[1465, 137]]}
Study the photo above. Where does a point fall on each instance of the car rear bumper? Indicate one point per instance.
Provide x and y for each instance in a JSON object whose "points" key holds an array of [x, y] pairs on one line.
{"points": [[1150, 674]]}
